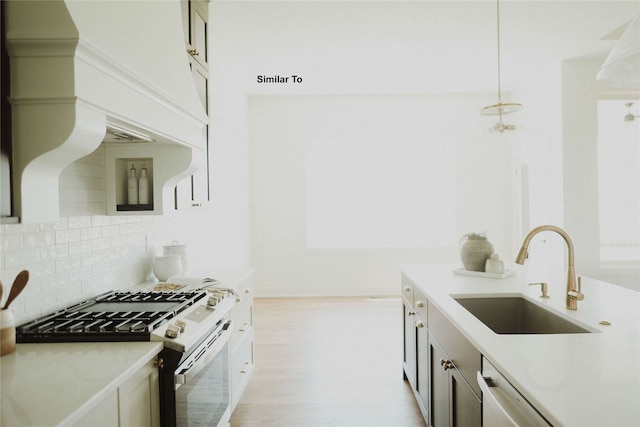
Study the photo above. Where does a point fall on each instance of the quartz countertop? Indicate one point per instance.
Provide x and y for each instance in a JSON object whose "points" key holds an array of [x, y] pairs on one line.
{"points": [[56, 384], [586, 379]]}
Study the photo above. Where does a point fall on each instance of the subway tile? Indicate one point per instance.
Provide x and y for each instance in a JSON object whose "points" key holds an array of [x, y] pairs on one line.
{"points": [[69, 263], [91, 259], [69, 291], [81, 247], [91, 233], [54, 251], [101, 244], [39, 240], [110, 231], [22, 257], [67, 236], [12, 242], [61, 224], [42, 269], [100, 221], [81, 273], [79, 221]]}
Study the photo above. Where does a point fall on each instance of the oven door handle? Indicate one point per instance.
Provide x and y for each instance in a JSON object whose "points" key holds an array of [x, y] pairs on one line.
{"points": [[202, 358]]}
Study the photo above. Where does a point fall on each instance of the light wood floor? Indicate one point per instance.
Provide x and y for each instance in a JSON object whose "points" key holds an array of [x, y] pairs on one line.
{"points": [[327, 362]]}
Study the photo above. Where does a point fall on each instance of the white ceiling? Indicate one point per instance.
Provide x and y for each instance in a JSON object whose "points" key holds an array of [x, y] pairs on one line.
{"points": [[412, 46]]}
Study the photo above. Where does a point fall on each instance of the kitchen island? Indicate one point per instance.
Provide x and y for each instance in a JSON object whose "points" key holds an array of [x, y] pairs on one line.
{"points": [[580, 379], [77, 383]]}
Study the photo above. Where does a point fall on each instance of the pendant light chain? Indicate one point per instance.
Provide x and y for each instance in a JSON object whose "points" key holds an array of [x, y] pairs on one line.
{"points": [[498, 34], [500, 109]]}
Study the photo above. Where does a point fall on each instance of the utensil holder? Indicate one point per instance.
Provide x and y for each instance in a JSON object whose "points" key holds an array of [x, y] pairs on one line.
{"points": [[7, 332]]}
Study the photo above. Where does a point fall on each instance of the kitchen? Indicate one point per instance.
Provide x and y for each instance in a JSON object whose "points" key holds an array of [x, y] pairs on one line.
{"points": [[407, 72]]}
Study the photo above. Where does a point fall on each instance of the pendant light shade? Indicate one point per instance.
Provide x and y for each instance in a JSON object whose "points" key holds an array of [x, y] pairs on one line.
{"points": [[622, 67], [500, 107]]}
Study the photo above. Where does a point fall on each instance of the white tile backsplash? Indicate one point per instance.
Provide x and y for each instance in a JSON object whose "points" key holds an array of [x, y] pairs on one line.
{"points": [[83, 254]]}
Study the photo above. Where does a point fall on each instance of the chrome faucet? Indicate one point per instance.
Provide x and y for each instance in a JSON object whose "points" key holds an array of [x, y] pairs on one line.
{"points": [[573, 294]]}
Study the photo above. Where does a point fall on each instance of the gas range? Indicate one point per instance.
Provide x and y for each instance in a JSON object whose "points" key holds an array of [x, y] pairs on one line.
{"points": [[179, 319], [114, 316]]}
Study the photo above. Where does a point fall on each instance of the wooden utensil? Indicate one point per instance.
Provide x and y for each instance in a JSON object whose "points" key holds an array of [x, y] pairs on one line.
{"points": [[18, 285]]}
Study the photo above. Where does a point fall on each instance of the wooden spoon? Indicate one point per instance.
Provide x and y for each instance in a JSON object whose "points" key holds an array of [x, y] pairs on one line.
{"points": [[18, 285]]}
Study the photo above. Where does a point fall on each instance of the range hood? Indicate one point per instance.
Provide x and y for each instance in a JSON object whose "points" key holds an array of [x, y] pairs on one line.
{"points": [[84, 73]]}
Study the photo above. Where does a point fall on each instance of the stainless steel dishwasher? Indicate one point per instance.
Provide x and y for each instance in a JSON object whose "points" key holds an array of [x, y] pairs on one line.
{"points": [[502, 404]]}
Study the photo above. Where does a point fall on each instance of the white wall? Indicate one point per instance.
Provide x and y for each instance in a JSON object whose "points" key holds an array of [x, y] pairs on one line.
{"points": [[581, 93], [283, 129]]}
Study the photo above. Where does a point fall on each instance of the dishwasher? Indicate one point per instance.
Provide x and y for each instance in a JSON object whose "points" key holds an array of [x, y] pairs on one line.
{"points": [[502, 404]]}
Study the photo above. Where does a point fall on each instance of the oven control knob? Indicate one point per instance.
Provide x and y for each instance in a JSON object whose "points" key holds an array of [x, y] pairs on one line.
{"points": [[181, 324], [172, 331]]}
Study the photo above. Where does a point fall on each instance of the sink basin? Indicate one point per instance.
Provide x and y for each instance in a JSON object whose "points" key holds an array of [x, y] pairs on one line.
{"points": [[517, 315]]}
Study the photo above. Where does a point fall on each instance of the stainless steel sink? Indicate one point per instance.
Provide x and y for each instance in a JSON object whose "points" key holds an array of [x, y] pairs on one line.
{"points": [[517, 315]]}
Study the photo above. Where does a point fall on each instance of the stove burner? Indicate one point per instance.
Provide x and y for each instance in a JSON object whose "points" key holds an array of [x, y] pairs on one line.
{"points": [[114, 316]]}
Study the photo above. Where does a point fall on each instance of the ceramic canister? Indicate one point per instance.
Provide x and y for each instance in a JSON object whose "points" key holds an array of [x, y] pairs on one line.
{"points": [[475, 249], [178, 250], [167, 266], [7, 331]]}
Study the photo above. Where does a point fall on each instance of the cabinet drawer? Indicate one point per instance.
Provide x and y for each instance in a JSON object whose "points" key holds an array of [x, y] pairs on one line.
{"points": [[406, 290], [242, 363], [461, 352], [420, 305]]}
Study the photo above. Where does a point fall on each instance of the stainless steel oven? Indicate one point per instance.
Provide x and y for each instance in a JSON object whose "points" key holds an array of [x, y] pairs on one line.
{"points": [[195, 391]]}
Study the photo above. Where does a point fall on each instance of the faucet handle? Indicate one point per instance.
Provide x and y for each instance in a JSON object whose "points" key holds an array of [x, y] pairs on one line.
{"points": [[577, 295], [543, 287]]}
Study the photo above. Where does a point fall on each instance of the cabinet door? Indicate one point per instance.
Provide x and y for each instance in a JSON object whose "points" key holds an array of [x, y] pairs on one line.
{"points": [[198, 30], [422, 356], [409, 345], [195, 191], [139, 398], [466, 408], [439, 390], [103, 414]]}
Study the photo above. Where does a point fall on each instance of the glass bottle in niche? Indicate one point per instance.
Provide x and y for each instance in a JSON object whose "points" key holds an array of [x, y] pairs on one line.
{"points": [[132, 186], [143, 186]]}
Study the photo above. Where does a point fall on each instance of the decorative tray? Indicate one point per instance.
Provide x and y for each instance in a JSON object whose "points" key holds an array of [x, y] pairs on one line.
{"points": [[462, 272]]}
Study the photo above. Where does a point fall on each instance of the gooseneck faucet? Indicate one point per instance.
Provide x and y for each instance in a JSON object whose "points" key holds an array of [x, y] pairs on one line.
{"points": [[573, 294]]}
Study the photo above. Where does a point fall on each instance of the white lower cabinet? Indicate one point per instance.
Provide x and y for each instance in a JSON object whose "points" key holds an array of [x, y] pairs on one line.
{"points": [[139, 398], [135, 403], [104, 414], [241, 340]]}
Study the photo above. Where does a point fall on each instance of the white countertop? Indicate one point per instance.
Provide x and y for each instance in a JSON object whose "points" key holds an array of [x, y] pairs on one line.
{"points": [[56, 384], [577, 380]]}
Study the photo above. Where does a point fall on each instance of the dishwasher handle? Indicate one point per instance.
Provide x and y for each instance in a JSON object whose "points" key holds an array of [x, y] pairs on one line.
{"points": [[503, 405]]}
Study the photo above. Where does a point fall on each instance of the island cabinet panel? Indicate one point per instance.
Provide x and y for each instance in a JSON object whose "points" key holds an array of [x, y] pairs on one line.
{"points": [[466, 358], [439, 386], [439, 363], [409, 360], [466, 407], [422, 366]]}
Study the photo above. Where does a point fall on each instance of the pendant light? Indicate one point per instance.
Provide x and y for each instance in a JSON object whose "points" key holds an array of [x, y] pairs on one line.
{"points": [[629, 117], [501, 107], [621, 69]]}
